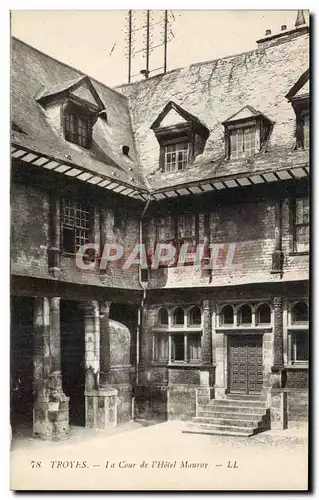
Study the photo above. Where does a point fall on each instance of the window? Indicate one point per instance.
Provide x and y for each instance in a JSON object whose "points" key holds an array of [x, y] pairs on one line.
{"points": [[301, 225], [243, 142], [163, 317], [76, 225], [263, 314], [245, 316], [299, 346], [302, 128], [227, 315], [300, 313], [78, 129], [195, 316], [186, 228], [176, 156], [186, 347], [179, 316], [165, 230], [160, 347]]}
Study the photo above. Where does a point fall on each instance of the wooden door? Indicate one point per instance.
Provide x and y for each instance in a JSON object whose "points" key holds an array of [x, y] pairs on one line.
{"points": [[245, 364]]}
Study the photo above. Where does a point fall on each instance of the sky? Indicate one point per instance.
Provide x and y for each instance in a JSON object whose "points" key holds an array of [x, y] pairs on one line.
{"points": [[85, 39]]}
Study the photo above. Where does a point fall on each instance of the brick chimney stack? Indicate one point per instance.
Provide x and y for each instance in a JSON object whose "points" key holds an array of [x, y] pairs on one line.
{"points": [[285, 34]]}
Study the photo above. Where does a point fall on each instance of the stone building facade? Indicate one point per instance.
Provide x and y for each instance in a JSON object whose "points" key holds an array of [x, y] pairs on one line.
{"points": [[213, 156]]}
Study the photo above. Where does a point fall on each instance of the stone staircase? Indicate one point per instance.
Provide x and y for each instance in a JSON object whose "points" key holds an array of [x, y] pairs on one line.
{"points": [[234, 416]]}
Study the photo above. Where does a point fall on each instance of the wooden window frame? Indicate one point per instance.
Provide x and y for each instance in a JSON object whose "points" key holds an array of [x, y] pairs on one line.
{"points": [[82, 120], [293, 223], [186, 358], [75, 228], [292, 347]]}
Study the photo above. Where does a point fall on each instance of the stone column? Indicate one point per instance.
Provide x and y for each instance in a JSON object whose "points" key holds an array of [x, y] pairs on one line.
{"points": [[100, 398], [278, 406], [207, 334], [278, 333], [51, 406], [203, 392], [104, 342]]}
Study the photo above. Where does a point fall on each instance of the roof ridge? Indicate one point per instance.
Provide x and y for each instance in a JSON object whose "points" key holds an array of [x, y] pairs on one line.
{"points": [[209, 61], [68, 66]]}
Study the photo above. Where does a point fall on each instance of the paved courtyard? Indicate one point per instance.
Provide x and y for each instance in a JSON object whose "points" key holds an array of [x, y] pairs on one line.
{"points": [[160, 456]]}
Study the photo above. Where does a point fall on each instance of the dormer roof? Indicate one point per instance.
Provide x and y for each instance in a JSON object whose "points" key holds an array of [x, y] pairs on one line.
{"points": [[300, 90], [173, 115], [80, 88], [246, 113]]}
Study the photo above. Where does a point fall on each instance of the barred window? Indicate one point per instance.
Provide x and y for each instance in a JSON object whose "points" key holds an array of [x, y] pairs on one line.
{"points": [[186, 347], [160, 347], [176, 156], [301, 225], [76, 225], [299, 346], [78, 129], [243, 142]]}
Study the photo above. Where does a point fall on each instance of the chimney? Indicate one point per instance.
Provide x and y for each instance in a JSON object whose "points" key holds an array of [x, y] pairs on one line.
{"points": [[285, 34], [300, 21]]}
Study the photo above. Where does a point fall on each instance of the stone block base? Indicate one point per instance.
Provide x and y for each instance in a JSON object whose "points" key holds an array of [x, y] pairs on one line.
{"points": [[151, 402], [101, 408], [124, 402], [181, 402], [279, 410], [51, 420]]}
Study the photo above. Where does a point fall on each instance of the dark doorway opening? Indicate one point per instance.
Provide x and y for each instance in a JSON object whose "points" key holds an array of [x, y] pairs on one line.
{"points": [[21, 364], [73, 359]]}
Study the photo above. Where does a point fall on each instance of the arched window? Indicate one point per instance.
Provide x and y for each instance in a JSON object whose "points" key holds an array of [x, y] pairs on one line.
{"points": [[179, 316], [263, 314], [227, 315], [195, 316], [163, 317], [300, 312], [245, 315]]}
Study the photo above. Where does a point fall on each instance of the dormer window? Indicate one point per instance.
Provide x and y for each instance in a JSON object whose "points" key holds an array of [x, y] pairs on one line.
{"points": [[246, 133], [243, 142], [298, 96], [77, 128], [80, 107], [181, 137], [176, 156], [302, 129]]}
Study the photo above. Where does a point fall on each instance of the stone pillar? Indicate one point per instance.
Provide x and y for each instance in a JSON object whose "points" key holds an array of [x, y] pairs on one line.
{"points": [[278, 334], [207, 334], [278, 405], [90, 332], [51, 406], [278, 256], [54, 250], [203, 392], [100, 398], [104, 342]]}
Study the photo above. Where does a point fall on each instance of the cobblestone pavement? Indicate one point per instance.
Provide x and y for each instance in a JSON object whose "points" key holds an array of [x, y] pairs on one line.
{"points": [[273, 460]]}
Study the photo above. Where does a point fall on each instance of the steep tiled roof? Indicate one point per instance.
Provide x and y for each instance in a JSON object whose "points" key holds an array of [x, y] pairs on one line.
{"points": [[35, 74], [213, 91]]}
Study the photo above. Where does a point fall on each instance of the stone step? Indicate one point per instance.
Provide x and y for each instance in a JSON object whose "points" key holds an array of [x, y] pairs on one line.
{"points": [[210, 412], [233, 409], [237, 403], [228, 421], [244, 397], [233, 430]]}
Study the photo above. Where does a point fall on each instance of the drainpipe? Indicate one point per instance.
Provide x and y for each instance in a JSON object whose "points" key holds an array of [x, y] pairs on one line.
{"points": [[141, 306]]}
